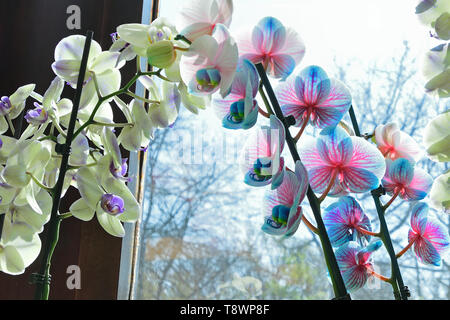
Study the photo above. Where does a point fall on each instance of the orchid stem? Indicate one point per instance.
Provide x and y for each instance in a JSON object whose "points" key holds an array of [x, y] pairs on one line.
{"points": [[378, 276], [40, 184], [367, 232], [266, 102], [131, 94], [118, 125], [395, 195], [310, 225], [263, 113], [403, 251]]}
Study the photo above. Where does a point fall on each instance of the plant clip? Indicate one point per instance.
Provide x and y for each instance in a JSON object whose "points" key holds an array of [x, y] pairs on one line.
{"points": [[378, 192], [406, 291], [61, 149], [37, 278], [289, 121]]}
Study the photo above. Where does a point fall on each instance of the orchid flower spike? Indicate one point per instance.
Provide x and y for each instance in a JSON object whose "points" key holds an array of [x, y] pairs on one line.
{"points": [[355, 263], [278, 48], [430, 237], [344, 220], [210, 64], [261, 161], [313, 97], [200, 17], [394, 143], [406, 180], [339, 164], [282, 209], [239, 109]]}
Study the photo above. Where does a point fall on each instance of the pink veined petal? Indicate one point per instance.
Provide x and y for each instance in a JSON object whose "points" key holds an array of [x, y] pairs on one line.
{"points": [[226, 61], [334, 146], [225, 12], [426, 252], [367, 156], [280, 66], [419, 215], [419, 186], [319, 177], [437, 235], [335, 152], [346, 256], [290, 101], [408, 148], [331, 110], [401, 171], [360, 180], [293, 46], [312, 85], [355, 278], [245, 44], [309, 154], [196, 30], [284, 194], [268, 35]]}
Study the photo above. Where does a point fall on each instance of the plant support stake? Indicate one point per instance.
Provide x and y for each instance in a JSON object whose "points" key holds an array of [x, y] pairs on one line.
{"points": [[385, 236], [333, 268], [42, 279]]}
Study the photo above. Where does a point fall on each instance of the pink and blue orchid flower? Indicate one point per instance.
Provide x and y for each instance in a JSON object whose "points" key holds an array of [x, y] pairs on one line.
{"points": [[430, 237], [344, 220], [355, 263], [394, 143], [338, 163], [282, 209], [210, 63], [262, 163], [239, 109], [200, 17], [406, 180], [313, 97], [278, 48]]}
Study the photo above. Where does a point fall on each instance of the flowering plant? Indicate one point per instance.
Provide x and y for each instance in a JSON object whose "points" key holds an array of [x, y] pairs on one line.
{"points": [[77, 143]]}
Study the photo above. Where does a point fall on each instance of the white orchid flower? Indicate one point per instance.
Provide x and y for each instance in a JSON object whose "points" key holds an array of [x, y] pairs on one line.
{"points": [[107, 197], [17, 255], [101, 64]]}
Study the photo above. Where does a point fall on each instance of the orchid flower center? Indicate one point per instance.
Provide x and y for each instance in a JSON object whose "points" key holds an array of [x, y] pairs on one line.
{"points": [[237, 111], [207, 79], [112, 204], [263, 168], [5, 106], [36, 116], [280, 214], [156, 34]]}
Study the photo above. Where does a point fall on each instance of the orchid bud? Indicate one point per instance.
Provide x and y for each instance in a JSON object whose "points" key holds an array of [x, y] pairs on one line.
{"points": [[36, 116], [112, 204], [5, 106], [161, 54], [207, 79]]}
